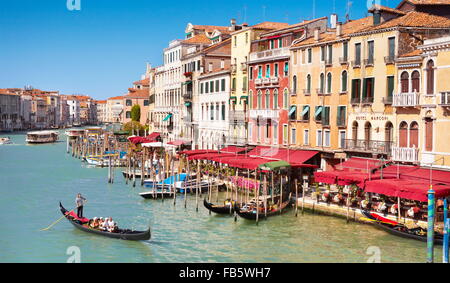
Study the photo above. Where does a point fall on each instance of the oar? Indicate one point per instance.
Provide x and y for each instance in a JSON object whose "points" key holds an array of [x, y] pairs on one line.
{"points": [[378, 221], [56, 222]]}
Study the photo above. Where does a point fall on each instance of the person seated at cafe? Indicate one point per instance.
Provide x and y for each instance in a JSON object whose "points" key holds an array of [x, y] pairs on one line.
{"points": [[413, 212], [394, 209]]}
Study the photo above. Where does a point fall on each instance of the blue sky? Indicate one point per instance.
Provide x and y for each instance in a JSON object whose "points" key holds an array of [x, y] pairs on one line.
{"points": [[102, 48]]}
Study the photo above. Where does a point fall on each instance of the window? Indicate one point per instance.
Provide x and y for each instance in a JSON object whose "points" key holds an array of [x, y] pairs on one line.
{"points": [[344, 81], [286, 69], [390, 88], [330, 54], [201, 88], [341, 116], [371, 47], [322, 84], [430, 77], [246, 38], [276, 73], [275, 99], [415, 78], [206, 87], [129, 102], [345, 51], [223, 112], [222, 64], [428, 134], [275, 134], [217, 85], [306, 137], [318, 113], [146, 102], [405, 82], [223, 85], [329, 79], [326, 116], [267, 71], [294, 84], [293, 136], [267, 100], [342, 137], [280, 43], [355, 132], [259, 105], [322, 53], [414, 135], [211, 86], [285, 99], [272, 44], [305, 113], [368, 90], [327, 138], [212, 112], [259, 72], [358, 54], [233, 86], [250, 97], [391, 44], [356, 90], [210, 67], [319, 141], [251, 73], [244, 83], [285, 134], [128, 114], [308, 84], [309, 55]]}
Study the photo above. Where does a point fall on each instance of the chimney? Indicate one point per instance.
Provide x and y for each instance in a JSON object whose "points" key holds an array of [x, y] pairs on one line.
{"points": [[317, 33], [339, 29], [333, 20], [233, 25]]}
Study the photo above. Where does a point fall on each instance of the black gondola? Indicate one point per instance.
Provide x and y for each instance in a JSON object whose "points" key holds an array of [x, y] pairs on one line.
{"points": [[401, 230], [251, 214], [121, 234], [219, 209]]}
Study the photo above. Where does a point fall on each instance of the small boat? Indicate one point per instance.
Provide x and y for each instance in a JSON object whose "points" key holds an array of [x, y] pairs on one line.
{"points": [[42, 137], [5, 141], [248, 211], [192, 186], [123, 234], [74, 133], [158, 192], [398, 229], [226, 208]]}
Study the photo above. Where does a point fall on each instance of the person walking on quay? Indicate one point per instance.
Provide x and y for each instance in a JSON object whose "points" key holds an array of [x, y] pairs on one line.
{"points": [[80, 203]]}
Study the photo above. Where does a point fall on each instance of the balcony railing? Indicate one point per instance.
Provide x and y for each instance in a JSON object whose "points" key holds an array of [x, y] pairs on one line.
{"points": [[265, 114], [187, 94], [237, 116], [274, 80], [356, 63], [389, 59], [328, 62], [320, 91], [387, 100], [406, 100], [266, 81], [445, 99], [369, 146], [270, 54], [244, 67], [307, 92], [258, 82], [367, 100], [405, 154], [233, 68], [355, 100], [343, 60], [368, 62]]}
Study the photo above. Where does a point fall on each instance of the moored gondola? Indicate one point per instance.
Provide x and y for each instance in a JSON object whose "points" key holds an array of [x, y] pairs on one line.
{"points": [[219, 209], [249, 210], [398, 229], [123, 234]]}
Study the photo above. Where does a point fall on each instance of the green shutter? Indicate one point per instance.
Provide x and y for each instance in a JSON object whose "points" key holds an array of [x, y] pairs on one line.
{"points": [[364, 94], [390, 87]]}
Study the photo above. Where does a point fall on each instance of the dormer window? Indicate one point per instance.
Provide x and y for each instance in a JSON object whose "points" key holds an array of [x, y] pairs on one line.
{"points": [[376, 18]]}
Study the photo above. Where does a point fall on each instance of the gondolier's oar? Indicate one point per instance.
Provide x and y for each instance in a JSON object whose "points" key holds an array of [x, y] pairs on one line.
{"points": [[56, 222]]}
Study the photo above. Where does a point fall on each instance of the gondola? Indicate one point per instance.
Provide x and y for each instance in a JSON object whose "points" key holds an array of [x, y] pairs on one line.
{"points": [[251, 214], [219, 209], [401, 230], [121, 234], [155, 194]]}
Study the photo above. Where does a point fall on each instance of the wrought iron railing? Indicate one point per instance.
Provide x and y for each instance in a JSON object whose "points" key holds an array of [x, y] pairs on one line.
{"points": [[372, 146]]}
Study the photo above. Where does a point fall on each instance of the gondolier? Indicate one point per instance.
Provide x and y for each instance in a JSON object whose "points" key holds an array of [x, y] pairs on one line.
{"points": [[80, 203]]}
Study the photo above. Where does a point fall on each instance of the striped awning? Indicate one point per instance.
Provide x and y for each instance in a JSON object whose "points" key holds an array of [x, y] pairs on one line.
{"points": [[319, 111], [305, 110], [293, 109], [167, 117]]}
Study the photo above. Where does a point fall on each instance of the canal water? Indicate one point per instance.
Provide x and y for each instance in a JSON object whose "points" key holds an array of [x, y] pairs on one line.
{"points": [[33, 179]]}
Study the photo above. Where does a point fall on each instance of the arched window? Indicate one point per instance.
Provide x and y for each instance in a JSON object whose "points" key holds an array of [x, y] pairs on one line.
{"points": [[430, 77], [429, 134], [329, 79], [308, 84], [403, 134], [368, 133], [388, 132], [405, 82], [355, 132], [294, 84], [285, 99], [414, 135], [344, 81], [267, 100], [275, 99], [259, 102], [322, 83], [415, 78]]}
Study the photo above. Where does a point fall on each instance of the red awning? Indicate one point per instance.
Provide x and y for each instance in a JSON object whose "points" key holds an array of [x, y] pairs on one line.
{"points": [[138, 140], [360, 164], [154, 135], [404, 188], [197, 151], [241, 162], [209, 156], [326, 177], [297, 158], [233, 149], [177, 142]]}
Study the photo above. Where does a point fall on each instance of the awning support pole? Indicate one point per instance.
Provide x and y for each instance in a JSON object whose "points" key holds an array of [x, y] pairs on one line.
{"points": [[430, 232]]}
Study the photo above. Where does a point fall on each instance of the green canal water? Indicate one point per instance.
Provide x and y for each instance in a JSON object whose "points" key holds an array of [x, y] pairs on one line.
{"points": [[33, 179]]}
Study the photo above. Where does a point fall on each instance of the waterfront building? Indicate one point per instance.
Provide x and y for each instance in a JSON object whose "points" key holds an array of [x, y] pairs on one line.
{"points": [[10, 118], [434, 7], [373, 50], [422, 105], [319, 89], [138, 95], [39, 112], [240, 49], [114, 109], [74, 110], [213, 104], [101, 111], [269, 85], [151, 101], [203, 56]]}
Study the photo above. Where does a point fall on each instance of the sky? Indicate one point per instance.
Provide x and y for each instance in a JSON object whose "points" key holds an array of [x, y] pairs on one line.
{"points": [[102, 48]]}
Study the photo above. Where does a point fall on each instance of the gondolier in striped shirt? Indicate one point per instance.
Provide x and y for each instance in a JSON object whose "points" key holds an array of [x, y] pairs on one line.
{"points": [[80, 203]]}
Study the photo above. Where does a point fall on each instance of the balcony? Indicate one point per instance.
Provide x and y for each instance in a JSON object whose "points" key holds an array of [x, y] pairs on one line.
{"points": [[405, 154], [343, 60], [406, 100], [368, 62], [270, 54], [265, 114], [389, 59], [187, 95], [320, 92], [266, 81], [237, 117], [368, 146], [387, 100], [328, 62], [244, 67], [258, 82], [307, 92], [275, 80], [356, 63], [367, 100], [233, 69], [445, 99]]}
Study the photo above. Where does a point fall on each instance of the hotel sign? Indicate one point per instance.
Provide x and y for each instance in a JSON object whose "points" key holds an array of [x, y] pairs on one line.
{"points": [[375, 117]]}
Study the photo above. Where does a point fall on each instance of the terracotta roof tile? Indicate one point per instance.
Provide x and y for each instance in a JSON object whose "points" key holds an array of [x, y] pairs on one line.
{"points": [[430, 2], [144, 82], [414, 53], [138, 93], [210, 29], [386, 9], [200, 38], [116, 98], [270, 25]]}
